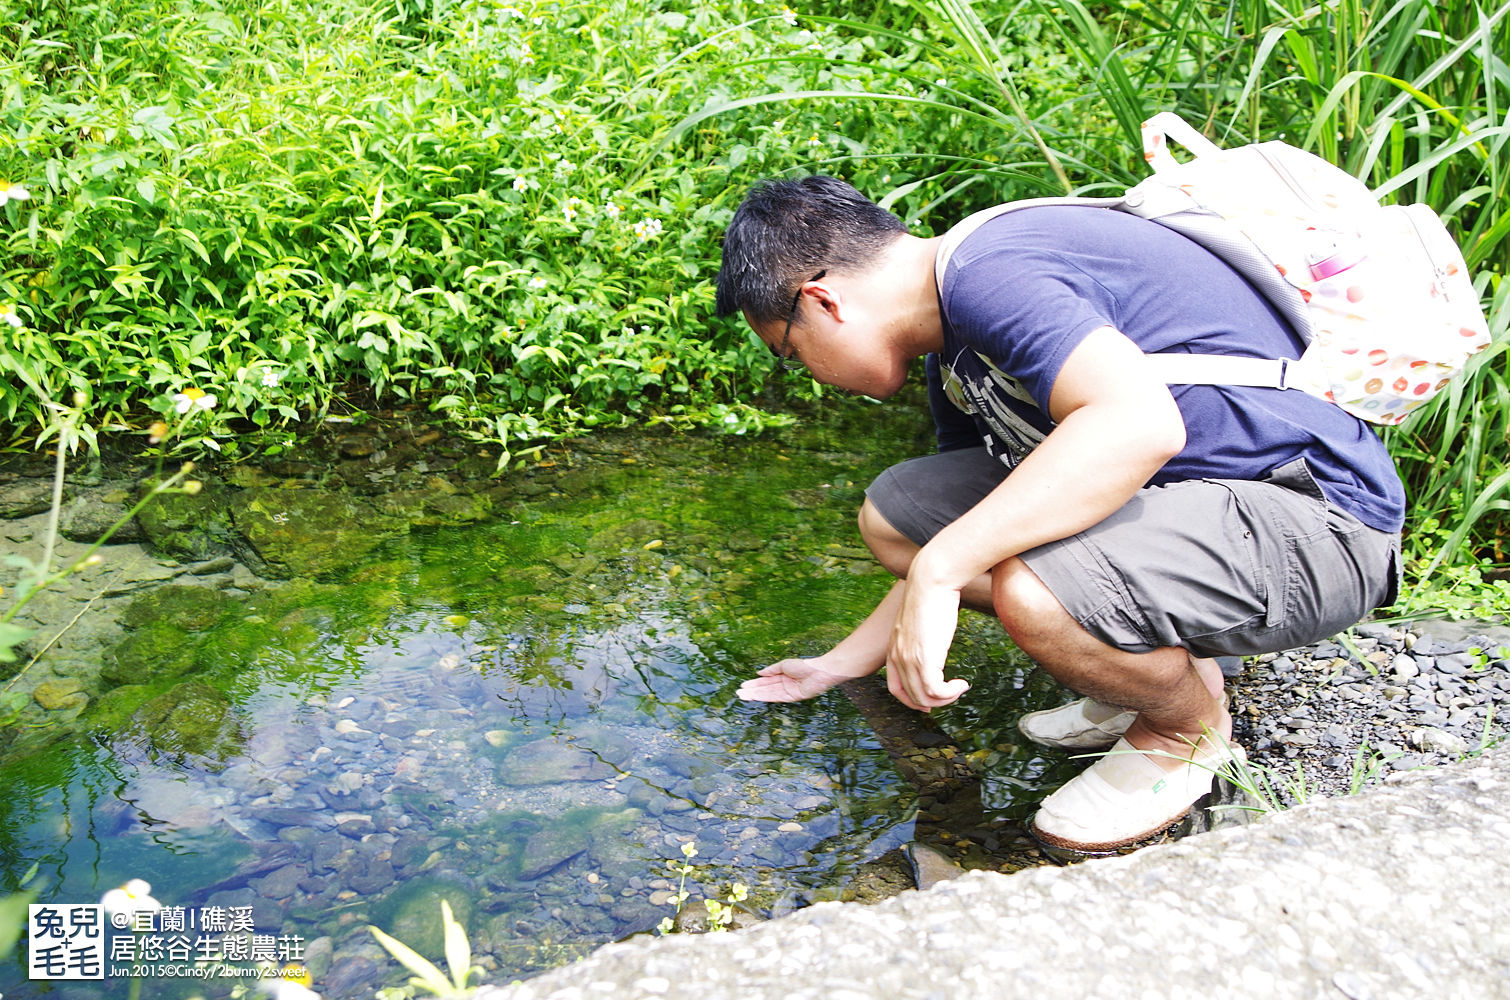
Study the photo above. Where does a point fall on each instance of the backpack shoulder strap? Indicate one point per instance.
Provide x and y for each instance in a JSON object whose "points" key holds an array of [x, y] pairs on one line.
{"points": [[957, 233]]}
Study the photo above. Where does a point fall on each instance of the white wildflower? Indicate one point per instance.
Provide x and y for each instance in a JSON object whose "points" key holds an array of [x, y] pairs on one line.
{"points": [[647, 229], [133, 897], [193, 399], [12, 192]]}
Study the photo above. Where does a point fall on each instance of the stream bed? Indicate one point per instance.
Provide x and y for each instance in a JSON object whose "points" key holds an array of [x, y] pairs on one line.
{"points": [[373, 677]]}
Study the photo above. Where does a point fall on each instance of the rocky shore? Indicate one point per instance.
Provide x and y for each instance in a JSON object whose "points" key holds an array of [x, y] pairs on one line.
{"points": [[1322, 722]]}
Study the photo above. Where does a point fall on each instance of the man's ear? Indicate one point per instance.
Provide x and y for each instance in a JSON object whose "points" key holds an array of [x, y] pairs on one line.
{"points": [[826, 298]]}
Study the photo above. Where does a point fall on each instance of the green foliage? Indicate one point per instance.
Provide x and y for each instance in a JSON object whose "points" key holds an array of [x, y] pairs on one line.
{"points": [[720, 911], [1410, 96], [459, 201]]}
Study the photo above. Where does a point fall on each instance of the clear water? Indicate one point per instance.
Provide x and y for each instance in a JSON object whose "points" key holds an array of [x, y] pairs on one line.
{"points": [[529, 718]]}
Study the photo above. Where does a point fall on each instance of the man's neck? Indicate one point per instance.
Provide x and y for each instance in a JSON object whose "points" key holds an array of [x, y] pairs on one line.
{"points": [[907, 275]]}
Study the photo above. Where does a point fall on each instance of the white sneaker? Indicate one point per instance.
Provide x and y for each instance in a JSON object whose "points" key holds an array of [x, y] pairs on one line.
{"points": [[1081, 725], [1125, 797]]}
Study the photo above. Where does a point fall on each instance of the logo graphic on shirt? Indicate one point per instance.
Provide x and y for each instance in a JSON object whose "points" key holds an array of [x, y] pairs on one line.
{"points": [[993, 397]]}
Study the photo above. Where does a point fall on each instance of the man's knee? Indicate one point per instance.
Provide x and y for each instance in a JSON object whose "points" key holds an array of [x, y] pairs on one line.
{"points": [[891, 548], [1023, 602]]}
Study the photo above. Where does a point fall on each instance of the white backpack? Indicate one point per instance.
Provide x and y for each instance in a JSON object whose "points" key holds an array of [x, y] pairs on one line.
{"points": [[1380, 294]]}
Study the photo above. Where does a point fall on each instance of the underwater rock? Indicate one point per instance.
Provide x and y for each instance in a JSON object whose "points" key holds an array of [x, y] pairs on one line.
{"points": [[191, 608], [929, 866], [411, 912], [62, 693], [550, 848], [547, 762], [435, 503], [190, 718], [25, 496], [158, 650], [113, 709], [309, 532], [87, 516], [193, 527]]}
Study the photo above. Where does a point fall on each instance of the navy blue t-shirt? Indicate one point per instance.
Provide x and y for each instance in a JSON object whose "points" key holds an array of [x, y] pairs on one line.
{"points": [[1022, 291]]}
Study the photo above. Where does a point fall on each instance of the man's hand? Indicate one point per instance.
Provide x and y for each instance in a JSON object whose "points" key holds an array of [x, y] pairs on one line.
{"points": [[789, 680], [920, 643]]}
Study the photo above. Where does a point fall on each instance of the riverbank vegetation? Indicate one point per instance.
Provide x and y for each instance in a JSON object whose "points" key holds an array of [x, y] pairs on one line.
{"points": [[508, 212]]}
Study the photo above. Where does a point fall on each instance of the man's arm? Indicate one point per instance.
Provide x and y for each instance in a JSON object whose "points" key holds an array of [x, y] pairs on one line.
{"points": [[1116, 427]]}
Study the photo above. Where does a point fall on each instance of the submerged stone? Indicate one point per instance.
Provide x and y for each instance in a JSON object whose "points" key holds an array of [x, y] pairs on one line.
{"points": [[159, 649], [547, 762], [435, 504], [411, 912], [190, 718], [310, 532], [113, 709], [62, 693], [191, 527], [191, 608]]}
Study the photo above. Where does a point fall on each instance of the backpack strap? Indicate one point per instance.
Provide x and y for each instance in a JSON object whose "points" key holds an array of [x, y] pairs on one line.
{"points": [[957, 233], [1221, 369]]}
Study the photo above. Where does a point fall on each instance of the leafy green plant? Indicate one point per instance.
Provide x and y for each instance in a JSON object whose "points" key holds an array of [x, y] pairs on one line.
{"points": [[720, 911], [426, 975]]}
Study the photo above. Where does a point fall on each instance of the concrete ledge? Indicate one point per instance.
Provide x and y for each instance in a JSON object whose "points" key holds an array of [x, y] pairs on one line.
{"points": [[1400, 892]]}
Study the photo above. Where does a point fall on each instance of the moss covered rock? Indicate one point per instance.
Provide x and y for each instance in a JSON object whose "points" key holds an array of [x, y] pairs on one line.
{"points": [[308, 532], [189, 527], [193, 609], [191, 718], [412, 912], [157, 650]]}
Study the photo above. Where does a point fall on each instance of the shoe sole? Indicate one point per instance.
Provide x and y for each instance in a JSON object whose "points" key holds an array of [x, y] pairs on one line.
{"points": [[1107, 847]]}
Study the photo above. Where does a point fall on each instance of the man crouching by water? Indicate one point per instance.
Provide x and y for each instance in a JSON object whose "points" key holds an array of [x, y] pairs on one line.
{"points": [[1125, 532]]}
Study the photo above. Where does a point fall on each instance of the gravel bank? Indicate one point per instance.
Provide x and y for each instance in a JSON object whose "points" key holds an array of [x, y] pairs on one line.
{"points": [[1319, 720]]}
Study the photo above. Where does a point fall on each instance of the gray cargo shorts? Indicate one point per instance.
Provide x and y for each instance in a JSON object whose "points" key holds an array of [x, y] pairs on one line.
{"points": [[1221, 567]]}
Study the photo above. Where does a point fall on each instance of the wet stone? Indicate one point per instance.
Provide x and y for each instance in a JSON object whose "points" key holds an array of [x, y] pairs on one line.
{"points": [[281, 883], [60, 694]]}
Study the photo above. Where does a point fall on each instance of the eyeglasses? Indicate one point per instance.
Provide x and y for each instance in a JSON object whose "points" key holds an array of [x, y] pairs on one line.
{"points": [[784, 355]]}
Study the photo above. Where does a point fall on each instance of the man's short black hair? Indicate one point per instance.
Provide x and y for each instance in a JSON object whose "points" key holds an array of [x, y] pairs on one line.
{"points": [[786, 231]]}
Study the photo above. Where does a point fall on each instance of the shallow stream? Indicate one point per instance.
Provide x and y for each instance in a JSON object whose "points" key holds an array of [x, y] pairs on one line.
{"points": [[529, 716]]}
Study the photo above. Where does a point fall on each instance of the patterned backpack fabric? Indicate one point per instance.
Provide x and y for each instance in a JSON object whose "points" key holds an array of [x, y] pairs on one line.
{"points": [[1380, 294]]}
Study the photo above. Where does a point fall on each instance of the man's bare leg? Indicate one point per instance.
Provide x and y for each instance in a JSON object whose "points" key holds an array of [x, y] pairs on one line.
{"points": [[1177, 696]]}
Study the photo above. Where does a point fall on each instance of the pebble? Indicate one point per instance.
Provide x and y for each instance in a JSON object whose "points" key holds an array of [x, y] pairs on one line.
{"points": [[1426, 703]]}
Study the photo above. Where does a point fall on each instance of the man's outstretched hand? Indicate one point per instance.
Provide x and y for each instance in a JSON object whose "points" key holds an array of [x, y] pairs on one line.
{"points": [[789, 680]]}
